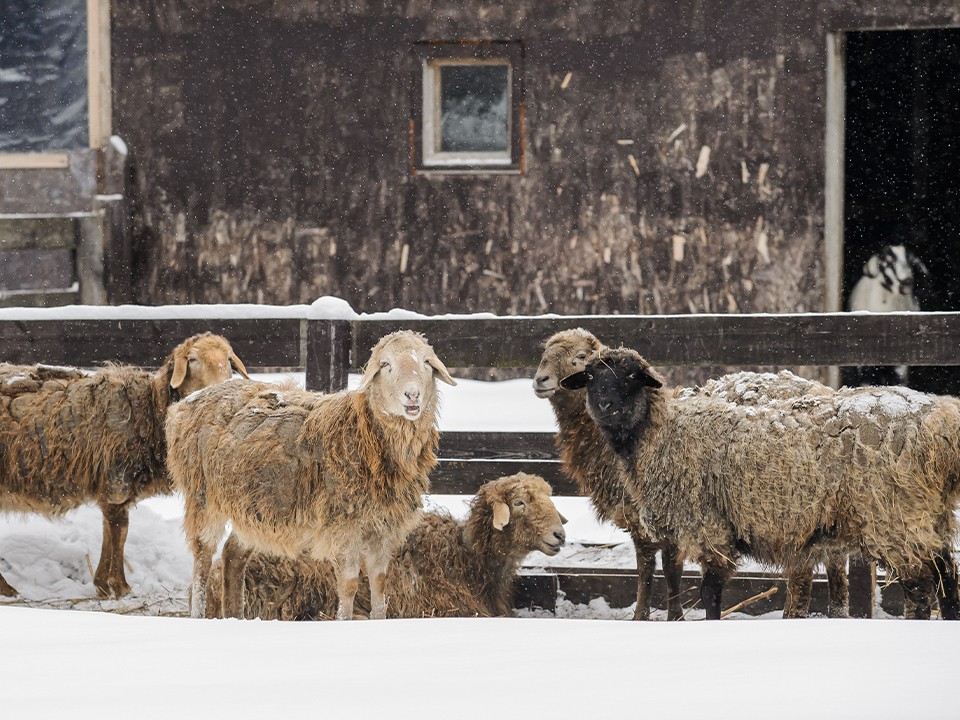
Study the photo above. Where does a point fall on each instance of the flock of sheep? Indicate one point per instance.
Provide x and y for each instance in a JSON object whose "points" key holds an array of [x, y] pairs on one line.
{"points": [[318, 489]]}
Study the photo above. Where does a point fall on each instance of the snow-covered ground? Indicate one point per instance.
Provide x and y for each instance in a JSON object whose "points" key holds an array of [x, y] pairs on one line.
{"points": [[575, 663]]}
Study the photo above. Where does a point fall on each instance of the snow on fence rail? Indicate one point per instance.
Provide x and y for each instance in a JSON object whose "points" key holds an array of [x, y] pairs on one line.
{"points": [[328, 347]]}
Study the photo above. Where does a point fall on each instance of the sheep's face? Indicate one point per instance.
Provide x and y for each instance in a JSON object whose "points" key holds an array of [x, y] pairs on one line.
{"points": [[399, 377], [202, 360], [618, 383], [896, 267], [522, 510], [565, 353]]}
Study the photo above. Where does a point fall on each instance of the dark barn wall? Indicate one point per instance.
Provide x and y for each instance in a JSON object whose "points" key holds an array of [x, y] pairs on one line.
{"points": [[270, 154]]}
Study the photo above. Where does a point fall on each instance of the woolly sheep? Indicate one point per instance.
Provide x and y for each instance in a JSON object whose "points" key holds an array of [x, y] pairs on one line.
{"points": [[751, 388], [68, 437], [339, 476], [445, 568], [870, 470], [593, 465]]}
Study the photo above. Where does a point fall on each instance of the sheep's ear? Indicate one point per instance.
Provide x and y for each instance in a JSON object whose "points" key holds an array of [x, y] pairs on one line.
{"points": [[576, 381], [871, 268], [917, 264], [501, 515], [563, 520], [238, 366], [179, 371], [648, 380], [369, 373], [441, 370]]}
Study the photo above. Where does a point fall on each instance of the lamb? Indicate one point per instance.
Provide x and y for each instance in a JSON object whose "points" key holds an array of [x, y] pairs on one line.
{"points": [[68, 437], [870, 470], [339, 476], [592, 464], [446, 568]]}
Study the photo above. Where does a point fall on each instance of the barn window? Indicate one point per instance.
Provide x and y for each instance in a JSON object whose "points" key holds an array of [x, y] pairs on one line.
{"points": [[468, 111]]}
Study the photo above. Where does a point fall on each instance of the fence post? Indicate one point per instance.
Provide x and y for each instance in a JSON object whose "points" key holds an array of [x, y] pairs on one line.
{"points": [[863, 581], [328, 354]]}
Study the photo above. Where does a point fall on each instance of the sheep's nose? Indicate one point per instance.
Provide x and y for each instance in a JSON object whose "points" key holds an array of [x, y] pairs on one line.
{"points": [[412, 395], [603, 405], [541, 379], [560, 535]]}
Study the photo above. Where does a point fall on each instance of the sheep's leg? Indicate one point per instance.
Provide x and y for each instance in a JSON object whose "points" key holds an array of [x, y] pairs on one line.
{"points": [[202, 560], [110, 578], [838, 604], [6, 589], [376, 564], [715, 576], [646, 562], [945, 578], [799, 589], [347, 571], [672, 573], [235, 558], [917, 589]]}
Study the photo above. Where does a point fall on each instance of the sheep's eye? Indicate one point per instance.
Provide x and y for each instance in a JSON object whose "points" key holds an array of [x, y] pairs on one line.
{"points": [[519, 503], [384, 364], [632, 376], [193, 360], [582, 356]]}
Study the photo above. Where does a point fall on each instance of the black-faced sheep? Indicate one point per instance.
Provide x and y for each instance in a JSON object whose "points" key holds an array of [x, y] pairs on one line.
{"points": [[589, 460], [68, 437], [445, 568], [338, 477], [865, 470]]}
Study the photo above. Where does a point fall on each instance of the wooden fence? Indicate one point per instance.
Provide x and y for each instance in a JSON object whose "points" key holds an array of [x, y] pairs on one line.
{"points": [[329, 349]]}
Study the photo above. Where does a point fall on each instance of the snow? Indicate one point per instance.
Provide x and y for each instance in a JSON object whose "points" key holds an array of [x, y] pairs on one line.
{"points": [[139, 654]]}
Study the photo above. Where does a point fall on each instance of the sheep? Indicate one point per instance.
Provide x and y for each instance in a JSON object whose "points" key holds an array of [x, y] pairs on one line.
{"points": [[338, 476], [872, 470], [68, 437], [592, 465], [445, 568], [750, 388], [886, 285]]}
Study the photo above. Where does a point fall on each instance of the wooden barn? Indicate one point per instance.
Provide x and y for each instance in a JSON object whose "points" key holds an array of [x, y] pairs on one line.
{"points": [[591, 157]]}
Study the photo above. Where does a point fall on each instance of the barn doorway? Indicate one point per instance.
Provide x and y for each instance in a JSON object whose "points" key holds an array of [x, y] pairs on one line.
{"points": [[902, 165]]}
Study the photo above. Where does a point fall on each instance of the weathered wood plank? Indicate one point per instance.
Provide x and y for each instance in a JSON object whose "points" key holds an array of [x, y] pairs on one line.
{"points": [[328, 359], [260, 342], [463, 477], [497, 446], [786, 340], [38, 233], [39, 298]]}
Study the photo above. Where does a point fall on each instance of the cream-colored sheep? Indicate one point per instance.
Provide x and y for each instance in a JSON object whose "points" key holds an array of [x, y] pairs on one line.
{"points": [[68, 437], [870, 470], [338, 477], [445, 568]]}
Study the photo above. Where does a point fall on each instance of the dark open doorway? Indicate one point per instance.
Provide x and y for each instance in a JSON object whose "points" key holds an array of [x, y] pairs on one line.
{"points": [[902, 169]]}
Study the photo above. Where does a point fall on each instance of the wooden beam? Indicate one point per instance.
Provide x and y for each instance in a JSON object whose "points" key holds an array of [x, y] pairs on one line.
{"points": [[750, 340], [98, 72], [34, 161], [38, 233], [464, 477], [259, 342], [328, 354], [497, 446]]}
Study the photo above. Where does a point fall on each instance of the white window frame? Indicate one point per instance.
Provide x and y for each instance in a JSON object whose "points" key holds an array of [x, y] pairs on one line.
{"points": [[432, 155]]}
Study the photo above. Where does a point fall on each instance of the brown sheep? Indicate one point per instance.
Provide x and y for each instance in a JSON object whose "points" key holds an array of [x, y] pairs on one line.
{"points": [[445, 568], [870, 470], [592, 464], [68, 437], [339, 477]]}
